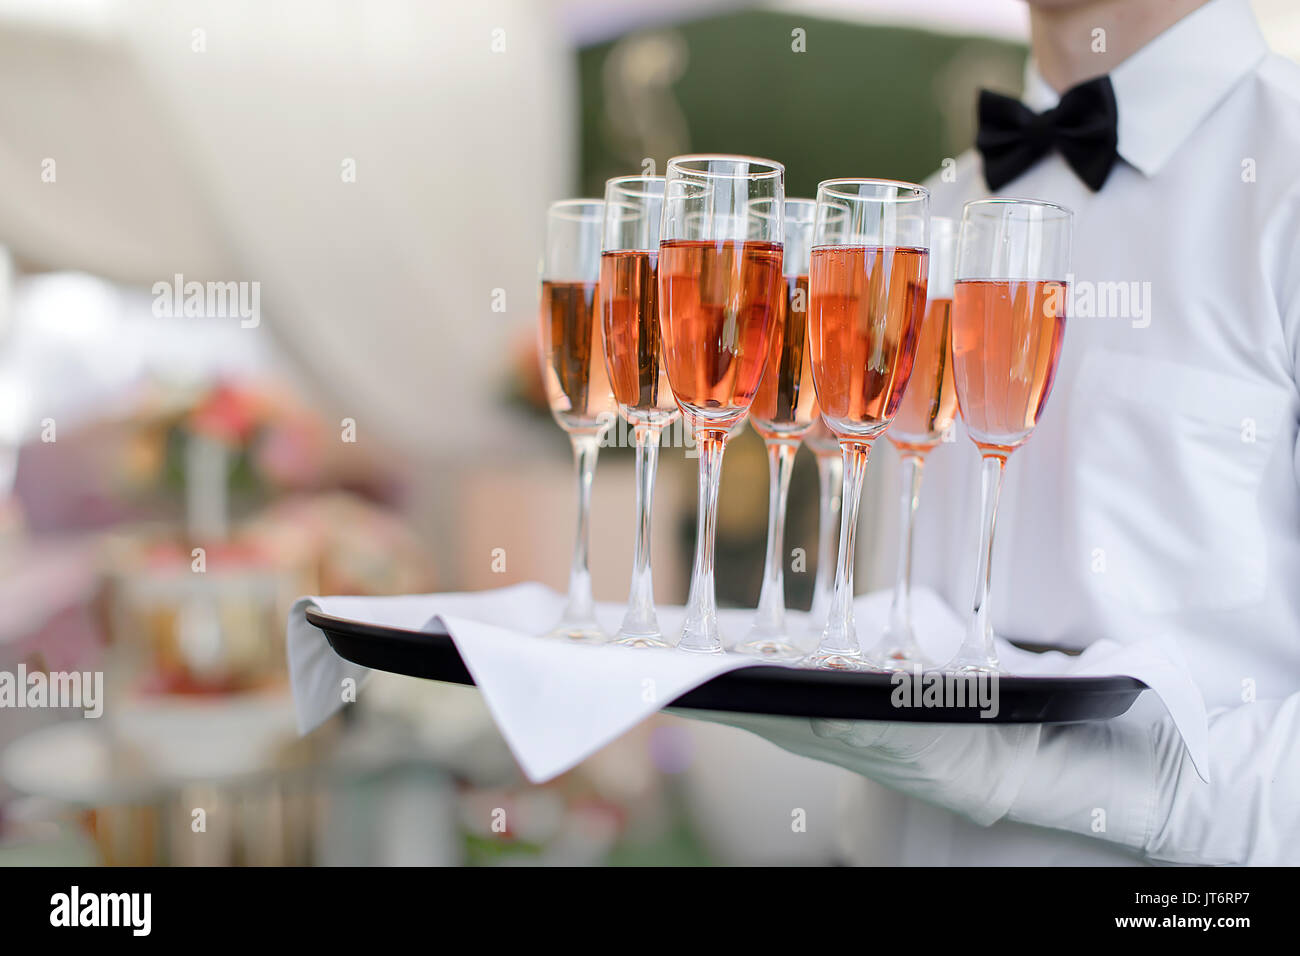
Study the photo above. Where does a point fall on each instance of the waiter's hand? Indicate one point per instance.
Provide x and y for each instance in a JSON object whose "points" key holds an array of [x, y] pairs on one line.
{"points": [[1125, 782], [975, 770]]}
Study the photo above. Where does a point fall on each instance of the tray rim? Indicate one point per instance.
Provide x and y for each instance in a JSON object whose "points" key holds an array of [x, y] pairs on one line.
{"points": [[1110, 684]]}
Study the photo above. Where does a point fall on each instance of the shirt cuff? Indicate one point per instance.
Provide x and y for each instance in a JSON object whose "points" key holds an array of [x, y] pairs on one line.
{"points": [[1096, 779]]}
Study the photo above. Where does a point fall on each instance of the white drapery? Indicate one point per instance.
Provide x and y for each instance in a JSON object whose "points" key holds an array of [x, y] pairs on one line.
{"points": [[380, 168]]}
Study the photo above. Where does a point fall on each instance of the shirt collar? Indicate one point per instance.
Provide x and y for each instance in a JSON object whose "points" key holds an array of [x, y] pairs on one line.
{"points": [[1164, 90]]}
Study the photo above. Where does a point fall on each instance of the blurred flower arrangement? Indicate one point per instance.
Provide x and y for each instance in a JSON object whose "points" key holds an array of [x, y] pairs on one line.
{"points": [[272, 504], [271, 444]]}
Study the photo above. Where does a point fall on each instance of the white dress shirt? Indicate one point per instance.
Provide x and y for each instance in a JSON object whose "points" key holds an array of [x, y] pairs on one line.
{"points": [[1160, 491]]}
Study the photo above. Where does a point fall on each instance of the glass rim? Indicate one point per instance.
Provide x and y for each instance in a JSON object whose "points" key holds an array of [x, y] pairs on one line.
{"points": [[800, 203], [560, 209], [619, 181], [1006, 201], [914, 192], [774, 168]]}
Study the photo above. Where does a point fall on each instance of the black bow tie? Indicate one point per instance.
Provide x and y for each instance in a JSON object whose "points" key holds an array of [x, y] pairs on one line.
{"points": [[1012, 137]]}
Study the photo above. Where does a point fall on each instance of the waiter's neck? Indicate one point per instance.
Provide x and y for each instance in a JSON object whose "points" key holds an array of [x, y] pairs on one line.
{"points": [[1067, 49]]}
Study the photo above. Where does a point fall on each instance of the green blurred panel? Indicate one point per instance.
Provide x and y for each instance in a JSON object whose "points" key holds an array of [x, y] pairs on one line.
{"points": [[861, 101]]}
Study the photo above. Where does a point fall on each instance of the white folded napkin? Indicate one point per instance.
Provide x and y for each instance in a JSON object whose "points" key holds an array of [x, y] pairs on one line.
{"points": [[557, 703]]}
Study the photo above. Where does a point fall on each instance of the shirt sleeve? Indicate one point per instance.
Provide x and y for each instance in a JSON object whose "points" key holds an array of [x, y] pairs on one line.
{"points": [[1136, 786]]}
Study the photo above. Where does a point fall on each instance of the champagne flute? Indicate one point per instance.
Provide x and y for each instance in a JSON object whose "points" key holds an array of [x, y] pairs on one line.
{"points": [[719, 303], [629, 282], [577, 385], [925, 414], [867, 281], [830, 479], [1008, 320], [782, 411]]}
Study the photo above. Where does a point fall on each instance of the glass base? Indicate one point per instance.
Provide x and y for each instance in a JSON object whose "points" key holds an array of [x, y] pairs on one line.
{"points": [[972, 666], [837, 661], [640, 628], [900, 659], [587, 632], [698, 647], [700, 634], [770, 647], [655, 639], [976, 655]]}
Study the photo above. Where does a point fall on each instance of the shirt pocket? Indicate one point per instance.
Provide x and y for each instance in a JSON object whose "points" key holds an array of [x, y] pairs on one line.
{"points": [[1170, 460]]}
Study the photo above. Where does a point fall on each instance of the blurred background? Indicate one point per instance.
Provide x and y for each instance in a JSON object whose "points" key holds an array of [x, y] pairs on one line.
{"points": [[364, 414]]}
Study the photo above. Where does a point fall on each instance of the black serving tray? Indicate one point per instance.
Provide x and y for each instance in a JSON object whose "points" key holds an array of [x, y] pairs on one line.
{"points": [[765, 689]]}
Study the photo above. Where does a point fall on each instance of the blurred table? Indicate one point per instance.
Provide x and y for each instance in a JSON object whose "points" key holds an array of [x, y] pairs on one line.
{"points": [[227, 781]]}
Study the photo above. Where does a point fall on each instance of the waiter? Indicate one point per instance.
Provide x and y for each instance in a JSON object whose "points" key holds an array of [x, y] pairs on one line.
{"points": [[1161, 491]]}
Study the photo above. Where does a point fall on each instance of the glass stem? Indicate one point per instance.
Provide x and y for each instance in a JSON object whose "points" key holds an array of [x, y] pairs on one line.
{"points": [[770, 616], [840, 636], [830, 478], [977, 649], [640, 617], [900, 609], [580, 605], [700, 630]]}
